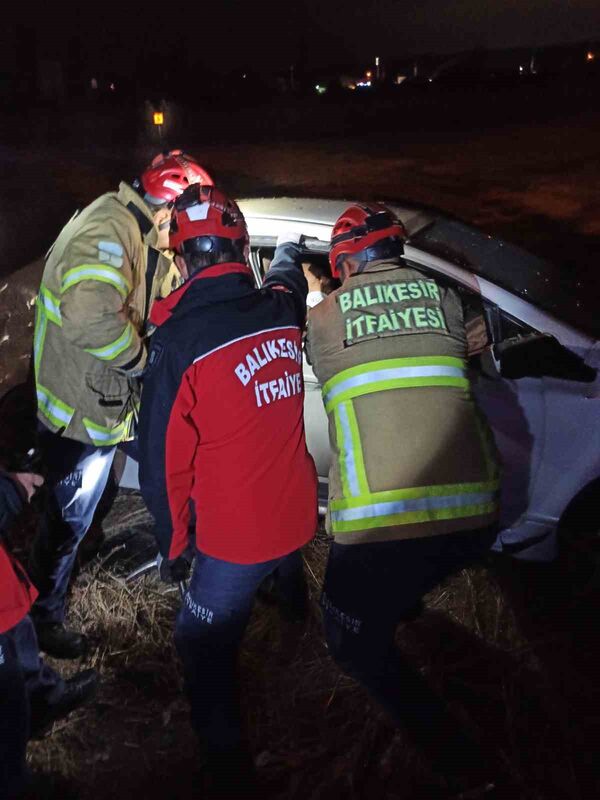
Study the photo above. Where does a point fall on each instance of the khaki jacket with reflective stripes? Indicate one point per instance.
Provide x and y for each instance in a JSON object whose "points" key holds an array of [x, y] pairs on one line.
{"points": [[100, 279], [411, 453]]}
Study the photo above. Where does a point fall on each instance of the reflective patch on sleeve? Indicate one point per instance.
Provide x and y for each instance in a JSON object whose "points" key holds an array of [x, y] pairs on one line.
{"points": [[110, 253]]}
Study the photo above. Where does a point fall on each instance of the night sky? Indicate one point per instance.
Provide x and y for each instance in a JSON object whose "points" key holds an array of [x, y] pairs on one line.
{"points": [[270, 34]]}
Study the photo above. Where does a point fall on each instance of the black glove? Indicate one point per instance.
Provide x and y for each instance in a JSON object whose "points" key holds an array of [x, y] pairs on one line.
{"points": [[175, 570]]}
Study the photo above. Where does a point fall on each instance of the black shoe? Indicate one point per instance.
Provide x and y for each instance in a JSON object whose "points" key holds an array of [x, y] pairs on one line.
{"points": [[79, 689], [56, 641]]}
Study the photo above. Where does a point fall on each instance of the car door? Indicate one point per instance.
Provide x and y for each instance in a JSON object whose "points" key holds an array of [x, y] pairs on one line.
{"points": [[538, 416], [516, 412]]}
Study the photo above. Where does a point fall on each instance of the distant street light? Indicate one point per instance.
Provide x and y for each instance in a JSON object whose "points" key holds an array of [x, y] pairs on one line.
{"points": [[158, 118], [590, 56]]}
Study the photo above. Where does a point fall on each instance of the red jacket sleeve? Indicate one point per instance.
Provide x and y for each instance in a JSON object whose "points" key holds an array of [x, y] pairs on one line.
{"points": [[181, 444]]}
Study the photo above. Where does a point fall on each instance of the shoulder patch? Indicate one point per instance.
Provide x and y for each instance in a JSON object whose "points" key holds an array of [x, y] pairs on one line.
{"points": [[110, 253], [156, 351]]}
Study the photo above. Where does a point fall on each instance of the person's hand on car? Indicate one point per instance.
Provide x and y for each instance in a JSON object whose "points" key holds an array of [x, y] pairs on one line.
{"points": [[290, 237]]}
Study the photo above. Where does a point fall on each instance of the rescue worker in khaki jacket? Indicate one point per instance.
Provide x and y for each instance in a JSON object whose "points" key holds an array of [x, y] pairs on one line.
{"points": [[100, 279], [414, 481]]}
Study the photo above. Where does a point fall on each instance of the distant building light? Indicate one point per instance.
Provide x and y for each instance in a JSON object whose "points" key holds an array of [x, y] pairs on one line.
{"points": [[400, 79], [364, 84], [521, 69], [320, 89], [112, 87], [94, 83], [590, 56], [376, 61], [158, 117], [244, 76]]}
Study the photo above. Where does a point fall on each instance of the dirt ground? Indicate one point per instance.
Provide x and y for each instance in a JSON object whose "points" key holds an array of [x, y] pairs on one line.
{"points": [[515, 647]]}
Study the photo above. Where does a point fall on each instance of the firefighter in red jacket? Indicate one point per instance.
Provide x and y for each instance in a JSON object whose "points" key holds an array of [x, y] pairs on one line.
{"points": [[222, 437], [32, 694]]}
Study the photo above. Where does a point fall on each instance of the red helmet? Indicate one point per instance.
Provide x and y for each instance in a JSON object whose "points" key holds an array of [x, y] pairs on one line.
{"points": [[205, 221], [359, 228], [168, 175]]}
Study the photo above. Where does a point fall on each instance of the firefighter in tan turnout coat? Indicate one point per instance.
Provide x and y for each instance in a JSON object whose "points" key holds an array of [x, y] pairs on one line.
{"points": [[100, 279], [414, 481]]}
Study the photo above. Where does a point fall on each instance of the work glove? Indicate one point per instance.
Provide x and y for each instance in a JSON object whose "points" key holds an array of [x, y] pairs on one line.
{"points": [[175, 570], [290, 237]]}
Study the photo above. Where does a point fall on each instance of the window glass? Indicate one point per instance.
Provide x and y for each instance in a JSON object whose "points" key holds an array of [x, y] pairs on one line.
{"points": [[550, 287]]}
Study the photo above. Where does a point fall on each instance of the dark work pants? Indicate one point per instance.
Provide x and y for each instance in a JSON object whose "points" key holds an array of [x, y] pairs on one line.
{"points": [[14, 720], [43, 684], [28, 688], [368, 590], [77, 476], [209, 629]]}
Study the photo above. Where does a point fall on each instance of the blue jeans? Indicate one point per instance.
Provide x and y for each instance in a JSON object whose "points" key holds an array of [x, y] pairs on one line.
{"points": [[368, 590], [208, 632], [27, 687], [77, 476]]}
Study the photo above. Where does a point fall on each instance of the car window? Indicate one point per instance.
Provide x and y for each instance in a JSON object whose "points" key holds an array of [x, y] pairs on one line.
{"points": [[318, 261], [550, 287]]}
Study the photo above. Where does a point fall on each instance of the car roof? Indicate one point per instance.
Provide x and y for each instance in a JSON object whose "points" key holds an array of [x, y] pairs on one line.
{"points": [[316, 215], [543, 283]]}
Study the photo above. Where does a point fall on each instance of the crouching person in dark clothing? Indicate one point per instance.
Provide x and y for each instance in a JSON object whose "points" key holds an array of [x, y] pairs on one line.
{"points": [[32, 694], [221, 428]]}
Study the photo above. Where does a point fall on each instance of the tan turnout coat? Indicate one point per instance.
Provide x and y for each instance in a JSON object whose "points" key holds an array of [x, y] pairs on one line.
{"points": [[412, 454], [100, 279]]}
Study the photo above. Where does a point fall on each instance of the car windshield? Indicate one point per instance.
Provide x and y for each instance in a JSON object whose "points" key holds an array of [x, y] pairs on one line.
{"points": [[538, 281]]}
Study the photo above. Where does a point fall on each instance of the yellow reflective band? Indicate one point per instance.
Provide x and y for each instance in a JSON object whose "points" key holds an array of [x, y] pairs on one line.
{"points": [[39, 334], [419, 504], [103, 436], [413, 517], [351, 460], [112, 350], [398, 373], [51, 305], [58, 413], [96, 272]]}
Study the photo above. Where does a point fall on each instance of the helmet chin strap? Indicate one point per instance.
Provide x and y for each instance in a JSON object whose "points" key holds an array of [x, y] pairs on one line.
{"points": [[388, 248]]}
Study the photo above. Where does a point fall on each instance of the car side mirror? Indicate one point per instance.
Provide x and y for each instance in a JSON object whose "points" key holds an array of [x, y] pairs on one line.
{"points": [[540, 355]]}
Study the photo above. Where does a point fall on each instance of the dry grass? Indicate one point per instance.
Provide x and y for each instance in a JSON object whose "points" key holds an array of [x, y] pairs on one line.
{"points": [[504, 643]]}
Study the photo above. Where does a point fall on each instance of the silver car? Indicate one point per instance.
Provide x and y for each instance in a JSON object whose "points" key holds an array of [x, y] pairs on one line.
{"points": [[535, 377]]}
